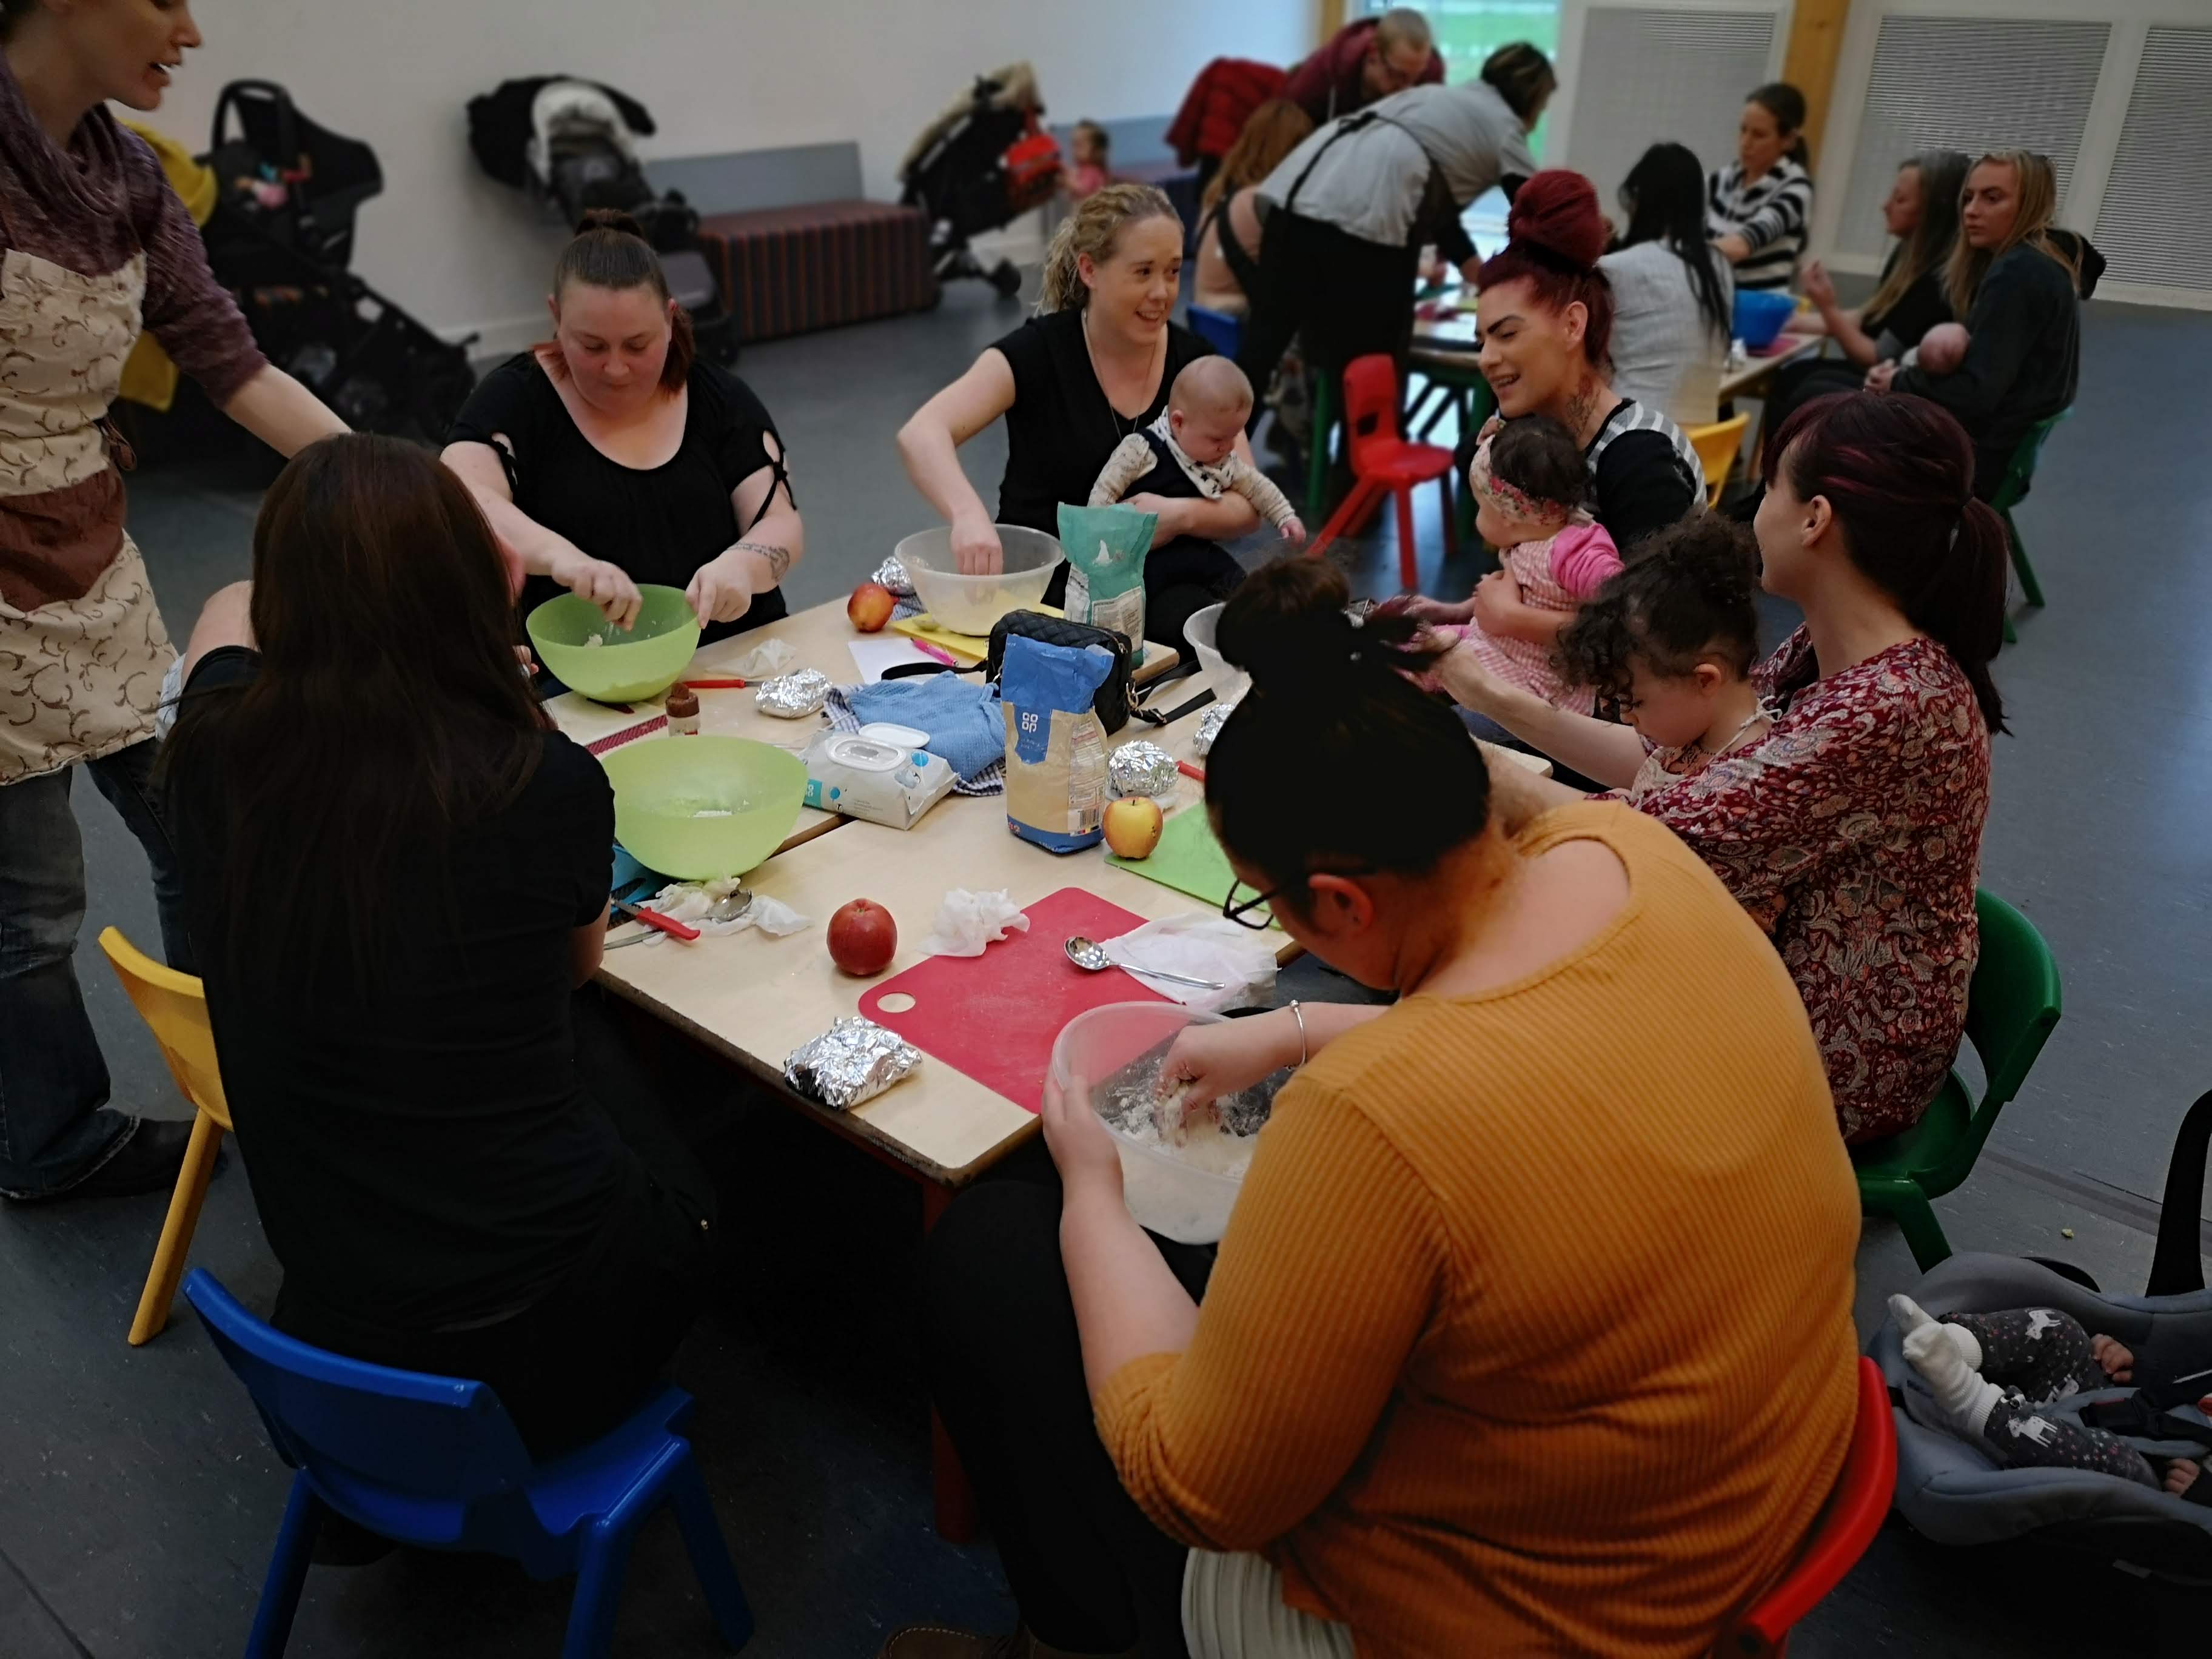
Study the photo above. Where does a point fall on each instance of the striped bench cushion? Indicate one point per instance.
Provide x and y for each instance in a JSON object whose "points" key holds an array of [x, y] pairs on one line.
{"points": [[788, 271]]}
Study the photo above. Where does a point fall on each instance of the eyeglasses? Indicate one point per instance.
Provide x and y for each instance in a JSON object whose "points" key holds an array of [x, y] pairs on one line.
{"points": [[1243, 907]]}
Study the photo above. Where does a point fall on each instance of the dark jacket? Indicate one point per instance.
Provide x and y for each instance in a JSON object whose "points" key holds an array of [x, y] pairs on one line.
{"points": [[1219, 104], [1327, 83]]}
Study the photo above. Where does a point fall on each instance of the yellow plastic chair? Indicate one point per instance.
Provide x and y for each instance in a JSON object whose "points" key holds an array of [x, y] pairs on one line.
{"points": [[1717, 446], [174, 1008]]}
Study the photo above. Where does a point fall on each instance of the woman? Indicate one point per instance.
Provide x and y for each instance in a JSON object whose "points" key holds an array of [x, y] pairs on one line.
{"points": [[2015, 284], [1852, 829], [397, 875], [1759, 206], [1545, 313], [1442, 1396], [1350, 208], [613, 455], [1092, 367], [1673, 295], [1228, 237], [95, 247]]}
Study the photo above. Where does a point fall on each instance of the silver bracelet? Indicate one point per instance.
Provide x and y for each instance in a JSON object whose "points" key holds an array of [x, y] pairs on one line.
{"points": [[1305, 1052]]}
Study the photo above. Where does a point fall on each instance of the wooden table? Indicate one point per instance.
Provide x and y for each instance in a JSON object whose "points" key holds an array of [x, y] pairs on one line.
{"points": [[1751, 379]]}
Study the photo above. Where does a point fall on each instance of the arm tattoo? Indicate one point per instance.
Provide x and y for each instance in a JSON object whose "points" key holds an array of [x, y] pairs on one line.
{"points": [[779, 558]]}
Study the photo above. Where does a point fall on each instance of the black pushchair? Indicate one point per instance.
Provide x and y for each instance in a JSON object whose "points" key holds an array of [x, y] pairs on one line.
{"points": [[281, 238], [981, 165], [574, 143]]}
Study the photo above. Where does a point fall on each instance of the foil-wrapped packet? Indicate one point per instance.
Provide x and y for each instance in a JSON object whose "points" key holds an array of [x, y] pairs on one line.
{"points": [[1209, 728], [855, 1061], [792, 697], [1141, 769], [891, 574]]}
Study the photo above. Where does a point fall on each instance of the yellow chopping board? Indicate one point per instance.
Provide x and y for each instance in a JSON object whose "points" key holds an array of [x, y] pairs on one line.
{"points": [[969, 648]]}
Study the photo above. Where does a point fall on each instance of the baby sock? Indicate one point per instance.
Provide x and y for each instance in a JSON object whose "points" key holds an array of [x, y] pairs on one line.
{"points": [[1911, 1316], [1965, 1395]]}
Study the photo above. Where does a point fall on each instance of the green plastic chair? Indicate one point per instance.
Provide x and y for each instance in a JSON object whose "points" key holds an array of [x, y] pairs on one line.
{"points": [[2008, 496], [2011, 1007]]}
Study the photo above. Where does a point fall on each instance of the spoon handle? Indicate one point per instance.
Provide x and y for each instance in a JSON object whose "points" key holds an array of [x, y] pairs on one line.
{"points": [[1179, 979]]}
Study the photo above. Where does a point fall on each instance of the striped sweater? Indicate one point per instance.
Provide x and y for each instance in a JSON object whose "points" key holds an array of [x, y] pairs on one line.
{"points": [[1772, 214], [1532, 1328]]}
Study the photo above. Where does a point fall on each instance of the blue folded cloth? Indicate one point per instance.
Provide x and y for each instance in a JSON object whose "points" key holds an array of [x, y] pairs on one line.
{"points": [[962, 717]]}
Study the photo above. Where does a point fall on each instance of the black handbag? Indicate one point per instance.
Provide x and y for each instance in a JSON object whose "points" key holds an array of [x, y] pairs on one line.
{"points": [[1112, 702]]}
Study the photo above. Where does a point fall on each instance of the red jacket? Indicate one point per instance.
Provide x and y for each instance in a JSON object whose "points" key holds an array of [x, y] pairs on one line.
{"points": [[1218, 105], [1335, 69]]}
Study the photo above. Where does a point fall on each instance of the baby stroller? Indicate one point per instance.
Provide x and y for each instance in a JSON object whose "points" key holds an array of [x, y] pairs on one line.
{"points": [[574, 143], [981, 164], [281, 238]]}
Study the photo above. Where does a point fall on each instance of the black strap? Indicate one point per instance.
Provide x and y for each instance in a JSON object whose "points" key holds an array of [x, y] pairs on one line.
{"points": [[1364, 118], [2134, 1416], [1241, 265], [500, 448]]}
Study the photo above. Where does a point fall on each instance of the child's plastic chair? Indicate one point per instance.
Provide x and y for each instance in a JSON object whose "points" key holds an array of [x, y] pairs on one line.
{"points": [[1224, 332], [174, 1008], [1716, 446], [435, 1462], [1384, 463], [2007, 494], [1855, 1511]]}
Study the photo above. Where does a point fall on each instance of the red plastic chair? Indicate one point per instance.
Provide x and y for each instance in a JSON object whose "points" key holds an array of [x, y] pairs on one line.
{"points": [[1854, 1513], [1383, 462]]}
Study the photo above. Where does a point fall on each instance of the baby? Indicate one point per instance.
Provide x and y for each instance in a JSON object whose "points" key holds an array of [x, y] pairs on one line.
{"points": [[2046, 1357], [1530, 485], [1191, 450], [1940, 350], [1088, 145]]}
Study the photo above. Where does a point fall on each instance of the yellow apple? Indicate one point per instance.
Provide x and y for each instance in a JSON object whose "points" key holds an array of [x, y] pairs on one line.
{"points": [[1133, 826]]}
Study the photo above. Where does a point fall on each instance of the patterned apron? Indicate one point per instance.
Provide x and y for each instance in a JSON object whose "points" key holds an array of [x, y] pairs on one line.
{"points": [[82, 646]]}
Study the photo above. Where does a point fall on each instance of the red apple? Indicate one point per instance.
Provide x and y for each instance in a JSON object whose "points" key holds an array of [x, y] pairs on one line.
{"points": [[863, 938], [870, 607], [1133, 826]]}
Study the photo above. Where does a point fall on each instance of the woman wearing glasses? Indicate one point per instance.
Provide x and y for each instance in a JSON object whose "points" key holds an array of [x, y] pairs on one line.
{"points": [[1465, 1380]]}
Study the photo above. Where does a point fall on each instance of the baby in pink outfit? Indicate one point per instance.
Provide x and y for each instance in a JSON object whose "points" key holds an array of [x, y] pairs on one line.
{"points": [[1530, 485]]}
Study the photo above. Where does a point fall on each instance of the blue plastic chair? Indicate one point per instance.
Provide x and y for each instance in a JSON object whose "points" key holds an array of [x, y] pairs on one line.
{"points": [[1225, 333], [436, 1461]]}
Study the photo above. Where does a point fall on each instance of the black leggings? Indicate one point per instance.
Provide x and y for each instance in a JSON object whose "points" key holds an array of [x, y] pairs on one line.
{"points": [[575, 1363], [1089, 1573], [1343, 297]]}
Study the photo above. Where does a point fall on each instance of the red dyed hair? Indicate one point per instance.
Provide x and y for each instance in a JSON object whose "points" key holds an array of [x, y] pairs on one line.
{"points": [[1554, 235]]}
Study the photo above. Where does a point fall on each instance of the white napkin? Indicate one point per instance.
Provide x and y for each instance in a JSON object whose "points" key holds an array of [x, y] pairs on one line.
{"points": [[688, 902], [765, 660], [967, 921], [1204, 947]]}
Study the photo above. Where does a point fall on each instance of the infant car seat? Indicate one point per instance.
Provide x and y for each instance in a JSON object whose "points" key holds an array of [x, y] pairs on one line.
{"points": [[1954, 1493]]}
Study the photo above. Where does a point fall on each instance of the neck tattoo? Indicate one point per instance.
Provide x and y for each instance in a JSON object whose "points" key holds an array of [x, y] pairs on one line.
{"points": [[1582, 405]]}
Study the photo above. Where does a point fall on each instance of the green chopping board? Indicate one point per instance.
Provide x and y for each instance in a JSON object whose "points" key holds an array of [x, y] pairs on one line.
{"points": [[1187, 859]]}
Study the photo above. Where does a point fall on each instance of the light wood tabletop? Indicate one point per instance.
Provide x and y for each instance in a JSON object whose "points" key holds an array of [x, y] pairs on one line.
{"points": [[1749, 380]]}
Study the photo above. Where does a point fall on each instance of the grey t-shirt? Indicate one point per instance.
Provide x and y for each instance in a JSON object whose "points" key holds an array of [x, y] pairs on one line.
{"points": [[1369, 182], [1665, 355]]}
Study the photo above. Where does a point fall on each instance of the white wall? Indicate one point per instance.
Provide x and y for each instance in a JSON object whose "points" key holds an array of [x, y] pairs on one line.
{"points": [[464, 254]]}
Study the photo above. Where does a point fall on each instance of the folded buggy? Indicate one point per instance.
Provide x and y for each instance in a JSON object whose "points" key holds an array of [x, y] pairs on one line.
{"points": [[574, 144], [980, 165], [281, 238]]}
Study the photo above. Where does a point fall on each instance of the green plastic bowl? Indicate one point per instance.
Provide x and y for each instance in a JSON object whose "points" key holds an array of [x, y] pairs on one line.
{"points": [[671, 794], [642, 663]]}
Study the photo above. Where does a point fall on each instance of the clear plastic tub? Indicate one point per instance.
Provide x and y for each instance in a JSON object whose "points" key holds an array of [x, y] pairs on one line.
{"points": [[973, 604], [1164, 1187], [1228, 684]]}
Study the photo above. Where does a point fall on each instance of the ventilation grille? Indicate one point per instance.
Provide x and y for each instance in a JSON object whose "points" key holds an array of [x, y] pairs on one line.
{"points": [[1971, 84], [2155, 223], [1647, 75]]}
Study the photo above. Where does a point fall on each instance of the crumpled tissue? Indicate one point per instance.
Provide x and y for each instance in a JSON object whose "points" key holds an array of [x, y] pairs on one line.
{"points": [[689, 901], [765, 660], [1203, 947], [967, 921]]}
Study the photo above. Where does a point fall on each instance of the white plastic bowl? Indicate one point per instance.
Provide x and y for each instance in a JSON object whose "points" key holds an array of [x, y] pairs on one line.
{"points": [[973, 604], [1228, 684], [1174, 1199]]}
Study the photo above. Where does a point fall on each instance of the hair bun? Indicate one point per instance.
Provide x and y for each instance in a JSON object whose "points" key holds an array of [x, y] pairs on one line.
{"points": [[1285, 624], [1556, 211], [613, 219]]}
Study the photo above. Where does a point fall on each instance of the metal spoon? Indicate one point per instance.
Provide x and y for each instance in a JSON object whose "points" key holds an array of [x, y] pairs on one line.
{"points": [[1092, 958]]}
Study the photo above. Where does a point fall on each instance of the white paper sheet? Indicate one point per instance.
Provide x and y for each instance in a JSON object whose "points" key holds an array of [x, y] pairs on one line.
{"points": [[873, 657]]}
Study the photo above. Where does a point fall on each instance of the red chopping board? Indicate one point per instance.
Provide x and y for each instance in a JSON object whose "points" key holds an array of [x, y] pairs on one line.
{"points": [[994, 1017]]}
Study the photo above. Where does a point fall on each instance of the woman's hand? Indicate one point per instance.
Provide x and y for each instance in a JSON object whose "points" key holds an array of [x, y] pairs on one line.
{"points": [[1879, 377], [607, 585], [721, 590], [976, 547], [1814, 279], [1167, 510], [1209, 1061], [1081, 1147], [1460, 672], [1440, 613]]}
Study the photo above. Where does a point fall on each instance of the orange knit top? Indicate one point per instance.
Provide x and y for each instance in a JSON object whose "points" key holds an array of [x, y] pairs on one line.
{"points": [[1532, 1328]]}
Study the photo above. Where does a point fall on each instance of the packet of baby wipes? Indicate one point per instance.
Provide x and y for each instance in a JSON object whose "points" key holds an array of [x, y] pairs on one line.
{"points": [[1106, 547]]}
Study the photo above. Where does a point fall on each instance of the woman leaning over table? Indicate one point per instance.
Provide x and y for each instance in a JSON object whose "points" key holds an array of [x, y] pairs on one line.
{"points": [[1442, 1396], [1850, 827], [97, 247]]}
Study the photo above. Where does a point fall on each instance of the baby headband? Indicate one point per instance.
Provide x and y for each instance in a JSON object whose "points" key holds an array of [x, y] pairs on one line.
{"points": [[1510, 498]]}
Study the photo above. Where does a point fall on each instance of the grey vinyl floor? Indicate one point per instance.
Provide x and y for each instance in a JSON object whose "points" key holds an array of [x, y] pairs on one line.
{"points": [[138, 1497]]}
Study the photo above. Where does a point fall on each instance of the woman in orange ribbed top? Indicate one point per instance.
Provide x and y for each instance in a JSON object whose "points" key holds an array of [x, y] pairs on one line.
{"points": [[1531, 1331]]}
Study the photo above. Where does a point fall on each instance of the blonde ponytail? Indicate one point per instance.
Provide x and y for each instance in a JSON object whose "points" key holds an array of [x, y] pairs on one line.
{"points": [[1094, 228]]}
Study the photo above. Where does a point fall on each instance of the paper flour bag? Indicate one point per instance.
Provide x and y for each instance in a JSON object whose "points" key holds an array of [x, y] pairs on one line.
{"points": [[1055, 746], [1106, 547]]}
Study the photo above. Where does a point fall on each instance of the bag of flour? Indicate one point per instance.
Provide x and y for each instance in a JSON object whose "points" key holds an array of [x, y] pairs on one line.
{"points": [[1055, 745], [1106, 547]]}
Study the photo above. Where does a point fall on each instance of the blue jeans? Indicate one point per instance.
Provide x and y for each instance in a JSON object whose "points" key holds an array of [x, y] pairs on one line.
{"points": [[56, 1126]]}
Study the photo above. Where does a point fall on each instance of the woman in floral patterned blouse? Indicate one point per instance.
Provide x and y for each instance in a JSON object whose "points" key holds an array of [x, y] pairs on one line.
{"points": [[1852, 830]]}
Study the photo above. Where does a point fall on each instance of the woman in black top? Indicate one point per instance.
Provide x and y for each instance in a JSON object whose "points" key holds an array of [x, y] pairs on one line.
{"points": [[396, 875], [612, 455], [1092, 368]]}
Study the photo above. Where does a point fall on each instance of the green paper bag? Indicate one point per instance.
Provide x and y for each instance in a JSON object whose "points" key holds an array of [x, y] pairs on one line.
{"points": [[1106, 547]]}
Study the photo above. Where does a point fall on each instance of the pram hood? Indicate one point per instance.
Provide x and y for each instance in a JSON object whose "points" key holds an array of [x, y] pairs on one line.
{"points": [[573, 112], [1012, 87], [505, 135]]}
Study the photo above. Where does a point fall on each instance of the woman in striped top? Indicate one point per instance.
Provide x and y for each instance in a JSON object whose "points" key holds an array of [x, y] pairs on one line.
{"points": [[1758, 207]]}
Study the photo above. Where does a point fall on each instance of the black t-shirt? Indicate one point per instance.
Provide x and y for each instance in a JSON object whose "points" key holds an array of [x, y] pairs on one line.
{"points": [[1061, 429], [1641, 485], [1920, 309], [659, 524], [424, 1156]]}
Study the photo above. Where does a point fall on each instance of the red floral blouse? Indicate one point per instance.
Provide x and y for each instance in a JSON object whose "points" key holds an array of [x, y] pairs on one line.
{"points": [[1852, 833]]}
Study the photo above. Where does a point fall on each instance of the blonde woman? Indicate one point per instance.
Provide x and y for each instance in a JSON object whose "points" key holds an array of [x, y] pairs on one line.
{"points": [[1228, 239], [1090, 369], [2015, 284]]}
